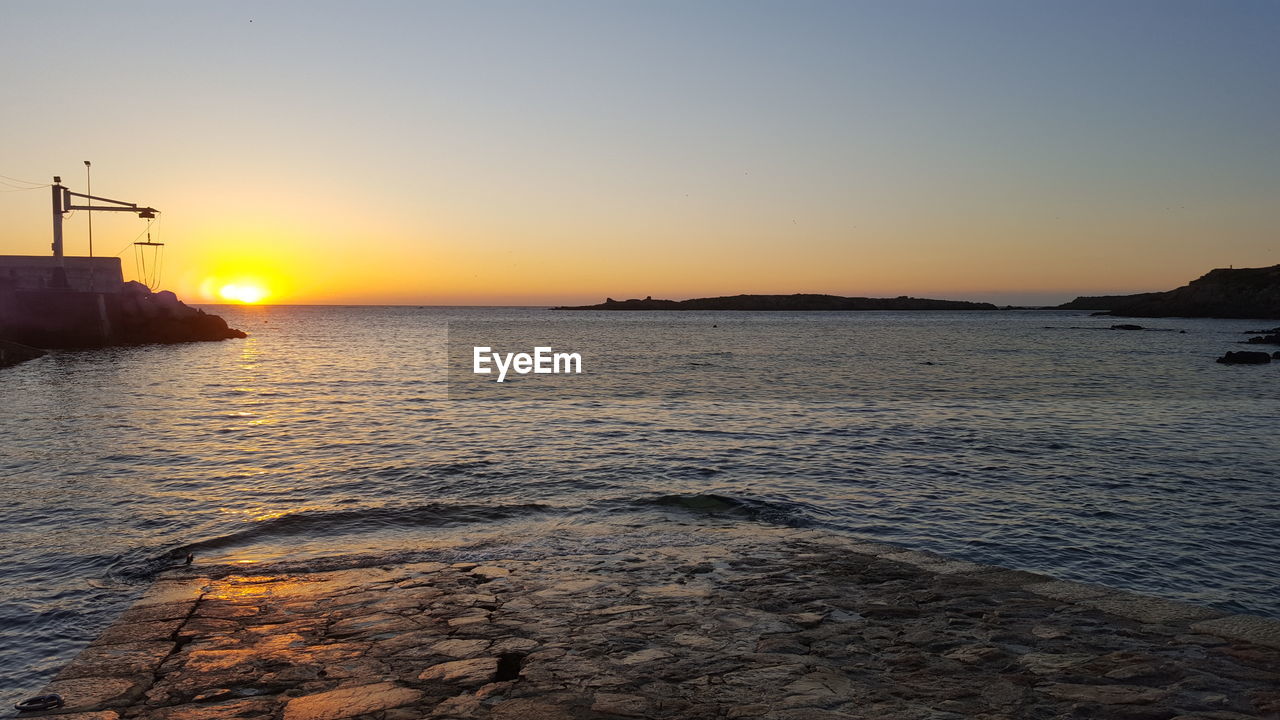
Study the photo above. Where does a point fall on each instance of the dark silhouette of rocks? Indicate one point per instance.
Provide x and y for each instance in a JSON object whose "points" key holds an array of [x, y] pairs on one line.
{"points": [[1273, 339], [133, 316], [1245, 357], [1221, 293], [12, 353], [1126, 327], [160, 317], [1105, 303], [797, 302]]}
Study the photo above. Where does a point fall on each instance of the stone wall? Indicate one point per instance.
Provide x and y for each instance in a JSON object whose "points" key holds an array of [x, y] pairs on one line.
{"points": [[38, 272]]}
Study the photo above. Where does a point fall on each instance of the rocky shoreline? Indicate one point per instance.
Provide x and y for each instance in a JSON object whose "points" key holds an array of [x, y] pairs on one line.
{"points": [[728, 622], [1220, 293], [785, 303], [129, 315]]}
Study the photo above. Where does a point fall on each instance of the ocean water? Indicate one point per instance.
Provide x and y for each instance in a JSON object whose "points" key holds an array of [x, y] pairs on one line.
{"points": [[1033, 439]]}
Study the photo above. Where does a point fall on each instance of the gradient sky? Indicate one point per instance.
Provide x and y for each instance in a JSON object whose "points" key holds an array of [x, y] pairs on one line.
{"points": [[539, 153]]}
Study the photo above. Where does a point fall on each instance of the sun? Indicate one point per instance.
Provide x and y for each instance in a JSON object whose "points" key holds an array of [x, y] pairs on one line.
{"points": [[242, 293]]}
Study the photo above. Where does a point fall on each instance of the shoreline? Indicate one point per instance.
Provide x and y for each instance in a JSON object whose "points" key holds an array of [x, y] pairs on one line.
{"points": [[728, 622]]}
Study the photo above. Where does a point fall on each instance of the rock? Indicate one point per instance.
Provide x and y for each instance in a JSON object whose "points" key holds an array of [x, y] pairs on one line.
{"points": [[529, 709], [619, 609], [1245, 358], [1103, 694], [463, 673], [349, 702], [1052, 663], [808, 619], [1271, 339], [98, 715], [1126, 327], [769, 634], [617, 704], [970, 654], [137, 658], [12, 353], [645, 656], [1150, 609], [1258, 630], [460, 648], [235, 709], [94, 693], [1222, 293], [514, 645], [139, 632], [490, 572], [372, 625], [461, 706]]}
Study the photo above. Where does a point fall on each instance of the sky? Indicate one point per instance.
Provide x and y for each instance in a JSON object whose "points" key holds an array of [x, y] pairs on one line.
{"points": [[561, 152]]}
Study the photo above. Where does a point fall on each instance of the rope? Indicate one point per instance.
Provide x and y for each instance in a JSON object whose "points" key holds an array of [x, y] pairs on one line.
{"points": [[23, 182]]}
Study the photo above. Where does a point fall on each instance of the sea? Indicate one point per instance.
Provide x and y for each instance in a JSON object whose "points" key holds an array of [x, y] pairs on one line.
{"points": [[1039, 440]]}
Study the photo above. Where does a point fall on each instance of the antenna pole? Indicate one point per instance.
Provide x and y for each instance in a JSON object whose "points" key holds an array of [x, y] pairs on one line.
{"points": [[57, 217]]}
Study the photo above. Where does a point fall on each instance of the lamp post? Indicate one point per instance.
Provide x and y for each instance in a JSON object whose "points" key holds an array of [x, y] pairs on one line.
{"points": [[88, 183]]}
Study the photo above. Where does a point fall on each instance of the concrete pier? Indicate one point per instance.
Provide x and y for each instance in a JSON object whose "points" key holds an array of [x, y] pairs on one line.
{"points": [[728, 622]]}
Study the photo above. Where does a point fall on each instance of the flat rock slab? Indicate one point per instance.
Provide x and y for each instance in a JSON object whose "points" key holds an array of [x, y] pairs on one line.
{"points": [[95, 693], [677, 622], [350, 702], [1263, 631], [133, 658], [463, 673]]}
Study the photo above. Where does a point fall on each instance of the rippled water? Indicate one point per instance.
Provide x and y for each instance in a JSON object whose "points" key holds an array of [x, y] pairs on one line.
{"points": [[1125, 458]]}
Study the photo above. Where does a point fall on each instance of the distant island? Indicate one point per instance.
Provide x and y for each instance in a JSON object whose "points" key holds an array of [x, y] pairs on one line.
{"points": [[1221, 293], [802, 302]]}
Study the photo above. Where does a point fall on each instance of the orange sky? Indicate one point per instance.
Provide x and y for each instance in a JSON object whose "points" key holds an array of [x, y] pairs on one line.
{"points": [[498, 154]]}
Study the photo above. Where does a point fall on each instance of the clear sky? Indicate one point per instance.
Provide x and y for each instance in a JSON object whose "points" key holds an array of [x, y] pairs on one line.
{"points": [[557, 152]]}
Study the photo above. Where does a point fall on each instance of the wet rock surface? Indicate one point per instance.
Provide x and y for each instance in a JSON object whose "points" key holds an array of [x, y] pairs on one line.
{"points": [[744, 623]]}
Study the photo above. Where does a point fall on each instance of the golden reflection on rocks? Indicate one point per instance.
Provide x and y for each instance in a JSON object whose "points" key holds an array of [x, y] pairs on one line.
{"points": [[765, 623]]}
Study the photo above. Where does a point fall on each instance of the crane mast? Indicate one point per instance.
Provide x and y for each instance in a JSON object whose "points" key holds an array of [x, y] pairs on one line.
{"points": [[63, 202]]}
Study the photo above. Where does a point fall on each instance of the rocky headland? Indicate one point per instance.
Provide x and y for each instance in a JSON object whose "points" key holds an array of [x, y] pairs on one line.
{"points": [[691, 622], [797, 302], [160, 317], [60, 319], [1221, 293]]}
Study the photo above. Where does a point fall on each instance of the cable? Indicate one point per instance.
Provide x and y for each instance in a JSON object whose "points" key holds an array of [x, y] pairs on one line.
{"points": [[23, 182]]}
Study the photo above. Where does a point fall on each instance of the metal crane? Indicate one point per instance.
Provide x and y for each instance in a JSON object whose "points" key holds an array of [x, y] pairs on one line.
{"points": [[62, 202]]}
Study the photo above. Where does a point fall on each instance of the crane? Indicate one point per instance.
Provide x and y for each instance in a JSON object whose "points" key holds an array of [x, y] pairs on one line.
{"points": [[62, 202]]}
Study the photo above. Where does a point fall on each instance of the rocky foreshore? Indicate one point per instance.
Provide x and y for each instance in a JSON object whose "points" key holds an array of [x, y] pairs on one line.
{"points": [[737, 622]]}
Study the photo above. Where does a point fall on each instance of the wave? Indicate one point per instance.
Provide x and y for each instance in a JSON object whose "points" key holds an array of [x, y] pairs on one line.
{"points": [[317, 522], [772, 512]]}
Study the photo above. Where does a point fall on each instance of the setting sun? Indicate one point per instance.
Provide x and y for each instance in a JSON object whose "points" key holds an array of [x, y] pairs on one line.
{"points": [[248, 294]]}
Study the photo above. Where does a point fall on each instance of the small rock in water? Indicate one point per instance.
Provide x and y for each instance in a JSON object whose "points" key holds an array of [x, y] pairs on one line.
{"points": [[1126, 327], [1245, 358]]}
